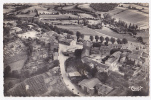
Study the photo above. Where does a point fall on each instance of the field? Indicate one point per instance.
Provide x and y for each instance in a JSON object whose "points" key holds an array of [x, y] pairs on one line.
{"points": [[83, 15], [70, 8], [85, 7], [102, 32], [146, 9], [58, 16], [134, 17], [116, 10]]}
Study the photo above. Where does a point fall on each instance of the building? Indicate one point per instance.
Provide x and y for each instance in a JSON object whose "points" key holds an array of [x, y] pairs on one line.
{"points": [[74, 74], [87, 85], [55, 56], [104, 51], [86, 49], [103, 89], [113, 60], [135, 58]]}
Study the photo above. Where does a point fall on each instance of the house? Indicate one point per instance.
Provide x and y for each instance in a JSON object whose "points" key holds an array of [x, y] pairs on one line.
{"points": [[95, 50], [55, 56], [115, 46], [133, 57], [113, 60], [104, 51], [102, 67], [123, 57], [86, 48], [96, 57], [137, 52], [87, 85], [103, 89], [74, 74]]}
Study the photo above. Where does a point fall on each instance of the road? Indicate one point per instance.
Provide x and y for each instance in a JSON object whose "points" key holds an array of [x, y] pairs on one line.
{"points": [[73, 88]]}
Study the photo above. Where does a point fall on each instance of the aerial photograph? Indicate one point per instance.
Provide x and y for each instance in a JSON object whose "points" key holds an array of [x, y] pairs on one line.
{"points": [[75, 49]]}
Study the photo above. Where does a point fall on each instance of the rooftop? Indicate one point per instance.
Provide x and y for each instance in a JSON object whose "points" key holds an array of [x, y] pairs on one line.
{"points": [[89, 83], [103, 89], [76, 73]]}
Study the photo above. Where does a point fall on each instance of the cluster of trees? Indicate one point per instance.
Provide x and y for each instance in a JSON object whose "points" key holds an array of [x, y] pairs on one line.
{"points": [[120, 26], [140, 39], [79, 35], [97, 26], [13, 74], [103, 7], [48, 27], [107, 39]]}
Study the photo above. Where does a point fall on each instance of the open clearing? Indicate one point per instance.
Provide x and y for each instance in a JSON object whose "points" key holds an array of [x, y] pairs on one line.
{"points": [[86, 7]]}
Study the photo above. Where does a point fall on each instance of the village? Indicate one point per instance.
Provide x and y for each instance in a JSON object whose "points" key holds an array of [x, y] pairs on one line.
{"points": [[66, 45]]}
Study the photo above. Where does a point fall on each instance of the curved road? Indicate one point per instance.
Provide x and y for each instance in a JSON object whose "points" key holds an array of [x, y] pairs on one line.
{"points": [[74, 89]]}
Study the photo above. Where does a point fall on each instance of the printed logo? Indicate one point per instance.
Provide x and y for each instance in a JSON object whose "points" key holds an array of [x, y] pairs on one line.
{"points": [[135, 88]]}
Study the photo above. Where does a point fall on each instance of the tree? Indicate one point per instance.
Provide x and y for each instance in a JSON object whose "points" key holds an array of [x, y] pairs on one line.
{"points": [[140, 39], [107, 39], [119, 41], [112, 40], [130, 26], [96, 38], [91, 38], [7, 71], [78, 53], [85, 21], [78, 34], [124, 40], [101, 39]]}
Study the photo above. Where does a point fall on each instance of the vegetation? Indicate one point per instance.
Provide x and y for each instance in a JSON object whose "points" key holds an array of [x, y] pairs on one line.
{"points": [[101, 39], [103, 7], [96, 38], [124, 40], [112, 40], [78, 34], [91, 38], [78, 53], [119, 41], [140, 39]]}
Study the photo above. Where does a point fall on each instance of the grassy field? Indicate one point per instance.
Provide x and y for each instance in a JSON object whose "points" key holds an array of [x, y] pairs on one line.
{"points": [[85, 7], [133, 16], [59, 16], [83, 15], [70, 8], [100, 32]]}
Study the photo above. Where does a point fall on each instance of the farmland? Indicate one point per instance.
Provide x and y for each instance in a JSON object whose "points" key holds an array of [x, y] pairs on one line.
{"points": [[102, 32], [64, 16], [85, 7], [132, 16]]}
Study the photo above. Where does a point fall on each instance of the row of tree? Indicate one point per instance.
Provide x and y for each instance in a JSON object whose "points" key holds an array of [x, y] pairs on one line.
{"points": [[121, 25], [107, 39], [48, 27]]}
